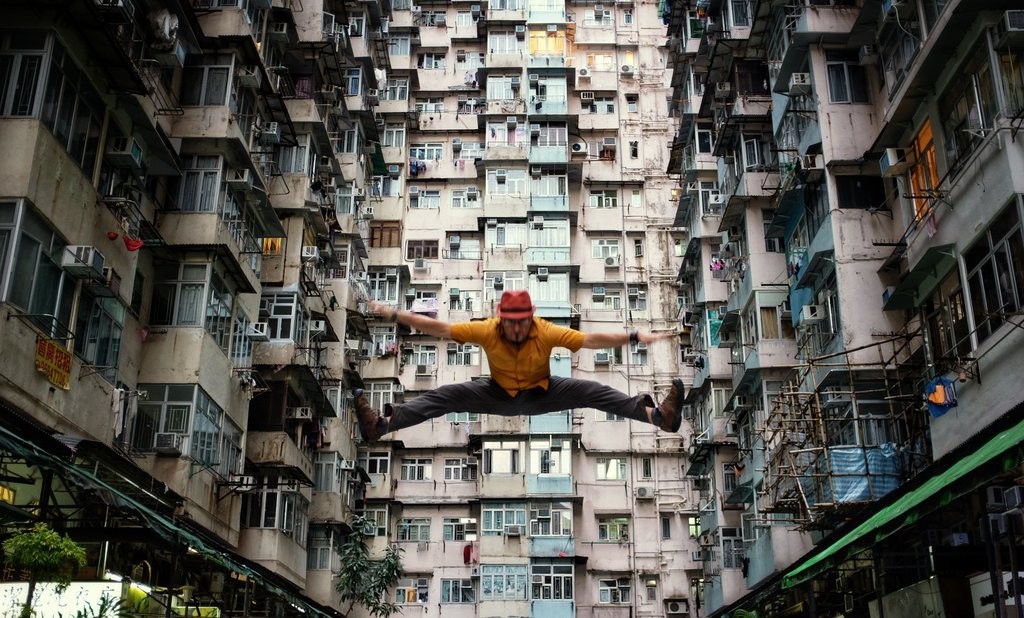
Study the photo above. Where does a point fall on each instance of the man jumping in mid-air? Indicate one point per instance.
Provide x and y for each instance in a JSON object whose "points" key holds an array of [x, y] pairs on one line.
{"points": [[518, 347]]}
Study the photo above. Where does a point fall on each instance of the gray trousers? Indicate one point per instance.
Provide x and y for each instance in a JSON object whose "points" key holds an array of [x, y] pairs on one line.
{"points": [[486, 397]]}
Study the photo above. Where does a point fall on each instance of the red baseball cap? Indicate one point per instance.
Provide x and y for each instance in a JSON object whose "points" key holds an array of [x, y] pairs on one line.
{"points": [[516, 305]]}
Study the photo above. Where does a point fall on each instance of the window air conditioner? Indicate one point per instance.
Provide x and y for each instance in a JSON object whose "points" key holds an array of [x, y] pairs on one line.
{"points": [[454, 292], [641, 346], [609, 143], [894, 162], [368, 212], [419, 264], [239, 179], [597, 293], [681, 606], [533, 77], [168, 444], [632, 292], [317, 327], [472, 193], [456, 144], [259, 331], [125, 152], [741, 402], [83, 262], [500, 176], [414, 191], [612, 261], [278, 30], [492, 223], [499, 283], [513, 530], [535, 130], [391, 273], [520, 32], [542, 274], [250, 77], [535, 171], [716, 199], [270, 133], [423, 370], [537, 222], [511, 121], [394, 170], [723, 90], [346, 464], [310, 252], [602, 358], [454, 241], [299, 413], [867, 55], [812, 314], [1010, 29], [799, 84]]}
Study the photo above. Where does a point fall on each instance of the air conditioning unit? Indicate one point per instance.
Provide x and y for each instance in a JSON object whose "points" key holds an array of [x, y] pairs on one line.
{"points": [[239, 179], [867, 55], [475, 11], [716, 199], [626, 70], [640, 346], [511, 121], [243, 482], [368, 212], [410, 293], [324, 164], [492, 223], [894, 162], [419, 264], [537, 222], [310, 252], [786, 308], [513, 530], [474, 571], [609, 143], [116, 11], [602, 358], [414, 191], [812, 314], [1010, 29], [111, 283], [552, 27], [632, 292], [249, 77], [391, 273], [799, 84], [644, 493], [454, 292], [270, 133], [514, 82], [678, 606], [813, 167], [317, 327], [583, 73], [579, 148], [259, 331], [499, 283], [299, 413], [1013, 497], [82, 262], [456, 145], [723, 90], [542, 273], [500, 176], [423, 370], [742, 402], [330, 94], [520, 32], [168, 444], [394, 170], [533, 77], [454, 241], [612, 261], [535, 130], [346, 464], [125, 152], [372, 96], [472, 193], [598, 8], [535, 171]]}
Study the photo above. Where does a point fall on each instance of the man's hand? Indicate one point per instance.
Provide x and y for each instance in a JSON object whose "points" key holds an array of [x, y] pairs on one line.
{"points": [[385, 311], [652, 337]]}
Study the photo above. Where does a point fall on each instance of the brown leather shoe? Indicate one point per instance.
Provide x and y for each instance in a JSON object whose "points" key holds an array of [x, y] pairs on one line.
{"points": [[370, 420], [671, 408]]}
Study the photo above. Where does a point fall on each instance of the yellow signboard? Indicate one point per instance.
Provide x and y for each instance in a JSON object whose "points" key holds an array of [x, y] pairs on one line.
{"points": [[54, 360]]}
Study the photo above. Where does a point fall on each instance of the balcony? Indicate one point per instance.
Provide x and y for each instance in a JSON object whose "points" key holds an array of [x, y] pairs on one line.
{"points": [[276, 449]]}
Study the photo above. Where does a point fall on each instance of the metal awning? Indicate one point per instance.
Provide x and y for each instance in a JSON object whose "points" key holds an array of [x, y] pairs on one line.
{"points": [[957, 474], [743, 494], [933, 266]]}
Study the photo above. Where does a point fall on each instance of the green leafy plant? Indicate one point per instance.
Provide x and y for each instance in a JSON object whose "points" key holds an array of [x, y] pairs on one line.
{"points": [[108, 608], [46, 555], [367, 582]]}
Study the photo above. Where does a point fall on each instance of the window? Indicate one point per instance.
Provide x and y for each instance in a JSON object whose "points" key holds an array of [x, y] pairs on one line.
{"points": [[385, 234], [604, 247], [867, 192], [740, 12], [550, 456], [602, 105], [608, 198], [551, 581], [357, 24], [412, 591], [394, 136], [554, 519], [500, 87], [286, 318], [397, 89], [632, 103], [732, 549], [417, 469], [431, 61], [328, 475], [995, 271], [503, 582], [497, 517], [320, 552], [627, 17], [613, 529], [460, 469], [705, 142], [278, 506], [847, 80], [458, 591], [375, 462], [637, 354], [467, 354], [179, 294], [426, 152], [946, 312], [503, 42], [399, 45], [463, 417], [426, 200], [615, 591], [593, 17], [421, 249], [199, 187], [969, 106], [376, 516], [206, 79], [647, 468], [552, 135], [293, 159], [502, 457], [611, 468], [414, 529], [512, 182], [634, 149], [459, 529], [666, 527]]}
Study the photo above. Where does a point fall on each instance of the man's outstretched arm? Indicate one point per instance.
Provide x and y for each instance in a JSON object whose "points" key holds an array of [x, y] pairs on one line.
{"points": [[422, 323], [598, 341]]}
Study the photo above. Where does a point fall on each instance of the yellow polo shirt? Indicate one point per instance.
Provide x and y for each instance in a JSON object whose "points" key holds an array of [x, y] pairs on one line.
{"points": [[524, 366]]}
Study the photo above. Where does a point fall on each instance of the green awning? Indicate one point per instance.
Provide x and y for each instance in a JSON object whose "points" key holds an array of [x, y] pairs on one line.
{"points": [[929, 271], [380, 166], [743, 494], [954, 482]]}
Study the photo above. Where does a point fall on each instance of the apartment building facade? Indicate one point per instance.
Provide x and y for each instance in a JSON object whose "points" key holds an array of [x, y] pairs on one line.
{"points": [[199, 200], [856, 148]]}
